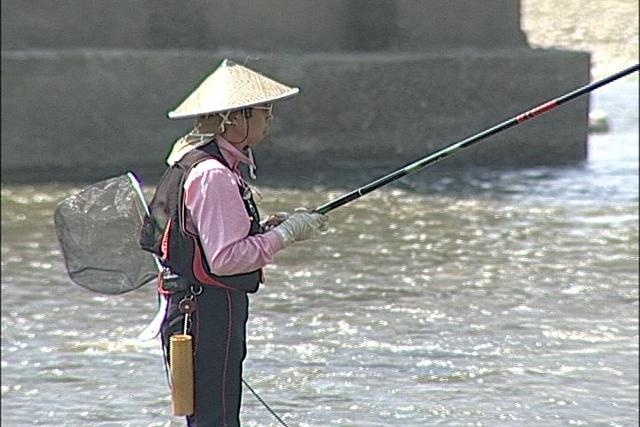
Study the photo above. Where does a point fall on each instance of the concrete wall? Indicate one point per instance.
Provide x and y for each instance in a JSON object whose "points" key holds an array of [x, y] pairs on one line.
{"points": [[86, 84], [271, 25]]}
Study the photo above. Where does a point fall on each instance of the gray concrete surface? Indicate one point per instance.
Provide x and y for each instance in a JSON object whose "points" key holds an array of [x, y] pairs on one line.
{"points": [[263, 25], [85, 87]]}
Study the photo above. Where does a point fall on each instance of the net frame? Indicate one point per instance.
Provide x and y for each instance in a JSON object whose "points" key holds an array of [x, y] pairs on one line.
{"points": [[98, 230]]}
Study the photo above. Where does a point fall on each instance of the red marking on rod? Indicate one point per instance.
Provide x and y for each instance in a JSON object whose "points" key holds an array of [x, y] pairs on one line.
{"points": [[537, 111]]}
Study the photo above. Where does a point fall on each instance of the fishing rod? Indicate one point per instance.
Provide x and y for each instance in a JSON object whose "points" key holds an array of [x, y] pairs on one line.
{"points": [[456, 147]]}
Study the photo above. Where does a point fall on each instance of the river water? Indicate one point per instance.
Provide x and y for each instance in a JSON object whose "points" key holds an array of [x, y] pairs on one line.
{"points": [[471, 298]]}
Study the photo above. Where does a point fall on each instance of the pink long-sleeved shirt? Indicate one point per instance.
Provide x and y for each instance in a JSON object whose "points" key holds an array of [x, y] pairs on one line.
{"points": [[216, 213]]}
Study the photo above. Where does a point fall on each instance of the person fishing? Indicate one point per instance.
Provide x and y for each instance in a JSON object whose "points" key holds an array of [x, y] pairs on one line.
{"points": [[206, 229]]}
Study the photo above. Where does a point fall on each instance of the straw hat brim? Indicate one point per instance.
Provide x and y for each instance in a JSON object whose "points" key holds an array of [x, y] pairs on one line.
{"points": [[231, 87]]}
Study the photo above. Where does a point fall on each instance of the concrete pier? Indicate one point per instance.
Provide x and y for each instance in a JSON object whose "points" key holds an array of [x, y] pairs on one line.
{"points": [[86, 84]]}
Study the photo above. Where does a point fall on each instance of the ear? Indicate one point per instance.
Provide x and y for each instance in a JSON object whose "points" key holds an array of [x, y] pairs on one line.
{"points": [[235, 117]]}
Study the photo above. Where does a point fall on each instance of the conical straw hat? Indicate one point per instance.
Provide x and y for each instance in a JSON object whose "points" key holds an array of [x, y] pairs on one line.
{"points": [[231, 87]]}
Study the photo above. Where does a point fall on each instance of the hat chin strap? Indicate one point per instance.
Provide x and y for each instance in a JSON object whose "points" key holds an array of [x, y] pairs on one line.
{"points": [[252, 166], [242, 141], [223, 128]]}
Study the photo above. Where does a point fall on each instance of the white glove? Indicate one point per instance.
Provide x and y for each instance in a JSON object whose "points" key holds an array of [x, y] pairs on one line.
{"points": [[301, 225]]}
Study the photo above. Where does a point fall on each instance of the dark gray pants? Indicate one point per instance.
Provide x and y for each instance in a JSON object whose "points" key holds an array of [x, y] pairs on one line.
{"points": [[219, 333]]}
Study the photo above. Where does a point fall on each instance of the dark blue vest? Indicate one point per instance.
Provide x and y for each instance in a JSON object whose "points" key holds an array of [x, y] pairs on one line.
{"points": [[164, 234]]}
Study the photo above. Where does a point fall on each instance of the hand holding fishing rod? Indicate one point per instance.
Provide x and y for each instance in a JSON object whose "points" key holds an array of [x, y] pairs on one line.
{"points": [[456, 147], [301, 225]]}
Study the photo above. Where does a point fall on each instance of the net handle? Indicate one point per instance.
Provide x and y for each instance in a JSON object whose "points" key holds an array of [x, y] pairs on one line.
{"points": [[135, 183]]}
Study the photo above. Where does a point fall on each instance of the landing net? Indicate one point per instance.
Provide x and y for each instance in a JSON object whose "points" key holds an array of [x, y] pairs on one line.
{"points": [[98, 230]]}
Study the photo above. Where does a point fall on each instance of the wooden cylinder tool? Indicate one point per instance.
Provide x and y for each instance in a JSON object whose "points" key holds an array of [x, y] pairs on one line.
{"points": [[181, 357]]}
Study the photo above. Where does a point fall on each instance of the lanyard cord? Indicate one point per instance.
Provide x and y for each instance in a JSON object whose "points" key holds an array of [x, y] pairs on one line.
{"points": [[264, 403]]}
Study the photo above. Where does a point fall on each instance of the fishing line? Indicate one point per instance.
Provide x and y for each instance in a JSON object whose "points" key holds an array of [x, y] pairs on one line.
{"points": [[264, 403]]}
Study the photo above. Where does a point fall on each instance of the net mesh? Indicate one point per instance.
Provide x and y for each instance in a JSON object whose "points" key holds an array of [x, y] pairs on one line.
{"points": [[98, 230]]}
